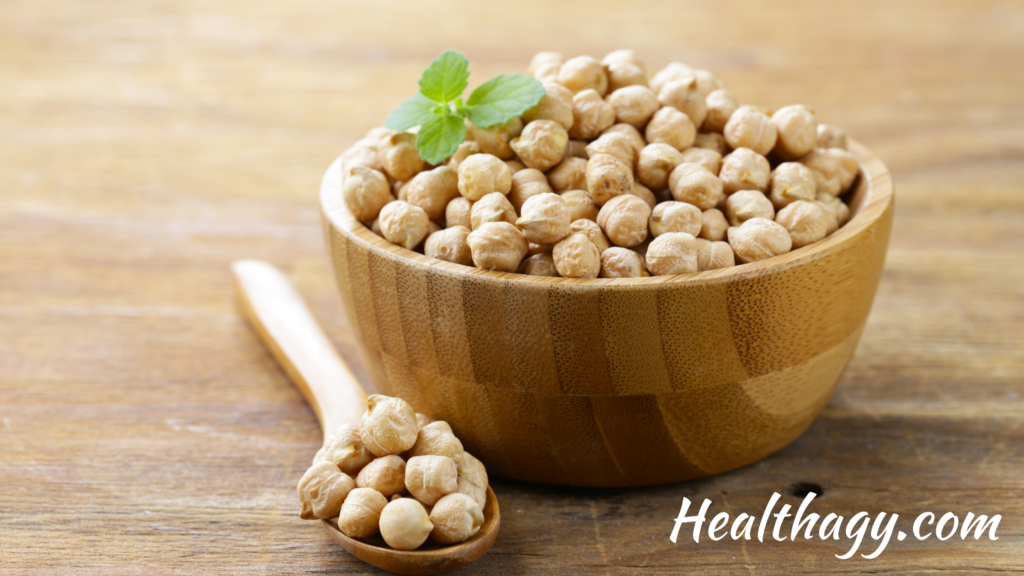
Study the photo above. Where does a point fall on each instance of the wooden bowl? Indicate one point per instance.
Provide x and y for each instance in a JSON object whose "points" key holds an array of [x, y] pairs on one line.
{"points": [[615, 382]]}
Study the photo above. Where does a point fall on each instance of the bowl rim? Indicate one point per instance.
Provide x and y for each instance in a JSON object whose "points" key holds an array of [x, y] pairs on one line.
{"points": [[872, 196]]}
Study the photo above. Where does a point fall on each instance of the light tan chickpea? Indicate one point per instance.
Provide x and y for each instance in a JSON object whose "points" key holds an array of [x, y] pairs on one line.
{"points": [[593, 232], [545, 219], [515, 165], [622, 74], [624, 220], [322, 489], [656, 162], [806, 222], [346, 450], [577, 257], [365, 191], [634, 135], [608, 177], [830, 136], [621, 263], [397, 190], [623, 55], [706, 81], [672, 127], [526, 183], [388, 426], [404, 524], [542, 62], [591, 115], [581, 205], [759, 238], [797, 130], [672, 253], [404, 224], [749, 127], [365, 152], [834, 169], [721, 104], [465, 150], [695, 184], [423, 419], [428, 478], [473, 479], [615, 144], [634, 105], [450, 245], [482, 174], [569, 174], [644, 193], [360, 513], [555, 105], [498, 246], [836, 206], [539, 265], [432, 228], [576, 149], [670, 217], [746, 204], [399, 156], [714, 255], [709, 159], [791, 181], [744, 169], [583, 72], [432, 190], [541, 144], [671, 72], [493, 207], [385, 475], [494, 140], [713, 225], [458, 212], [455, 517], [685, 95], [437, 439], [712, 141]]}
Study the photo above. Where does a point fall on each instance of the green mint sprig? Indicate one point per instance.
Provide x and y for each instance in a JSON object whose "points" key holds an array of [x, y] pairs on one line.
{"points": [[440, 113]]}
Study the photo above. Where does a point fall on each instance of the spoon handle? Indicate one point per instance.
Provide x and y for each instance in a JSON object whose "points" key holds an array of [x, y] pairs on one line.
{"points": [[284, 323]]}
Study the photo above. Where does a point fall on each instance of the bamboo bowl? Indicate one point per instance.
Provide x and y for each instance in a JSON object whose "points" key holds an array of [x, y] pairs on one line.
{"points": [[615, 382]]}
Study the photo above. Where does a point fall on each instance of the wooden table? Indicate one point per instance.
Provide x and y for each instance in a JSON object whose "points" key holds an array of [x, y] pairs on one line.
{"points": [[145, 145]]}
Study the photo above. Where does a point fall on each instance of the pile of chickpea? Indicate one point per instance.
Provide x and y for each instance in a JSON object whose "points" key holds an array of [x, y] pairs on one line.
{"points": [[611, 175], [400, 475]]}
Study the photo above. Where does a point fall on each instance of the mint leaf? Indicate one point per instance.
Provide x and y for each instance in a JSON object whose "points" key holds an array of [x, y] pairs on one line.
{"points": [[446, 77], [502, 98], [413, 112], [439, 137]]}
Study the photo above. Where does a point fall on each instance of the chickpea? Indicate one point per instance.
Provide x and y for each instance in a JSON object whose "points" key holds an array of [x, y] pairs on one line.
{"points": [[545, 219], [577, 257], [583, 72], [498, 246], [364, 152], [591, 114], [673, 71], [346, 450], [544, 65], [621, 263], [694, 184], [397, 190], [576, 149], [712, 141], [385, 475], [672, 127], [404, 224], [365, 192], [569, 174], [644, 193], [751, 128], [581, 205], [714, 255], [515, 165], [525, 184], [432, 190], [744, 169], [634, 105], [493, 207], [455, 517], [624, 220], [465, 150], [721, 104], [360, 513], [322, 489], [806, 222], [458, 212], [388, 425], [618, 145], [634, 135], [622, 74], [709, 159], [706, 81], [670, 217], [437, 439], [797, 131], [482, 174], [593, 232], [656, 162], [399, 156], [831, 137], [404, 524], [375, 228], [747, 204], [836, 206], [428, 478], [450, 245], [834, 169], [539, 265], [608, 177], [494, 140], [555, 106], [685, 95], [423, 419], [713, 225], [623, 56], [672, 253], [791, 181], [541, 144], [759, 238], [473, 479]]}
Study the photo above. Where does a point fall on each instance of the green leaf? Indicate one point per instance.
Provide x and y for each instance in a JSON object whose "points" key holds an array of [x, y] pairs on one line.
{"points": [[439, 137], [413, 112], [446, 77], [502, 98]]}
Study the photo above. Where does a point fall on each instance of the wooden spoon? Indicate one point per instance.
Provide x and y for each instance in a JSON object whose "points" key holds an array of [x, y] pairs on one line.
{"points": [[281, 319]]}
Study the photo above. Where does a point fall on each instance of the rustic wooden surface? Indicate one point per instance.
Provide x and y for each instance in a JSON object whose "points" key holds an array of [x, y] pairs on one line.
{"points": [[144, 145]]}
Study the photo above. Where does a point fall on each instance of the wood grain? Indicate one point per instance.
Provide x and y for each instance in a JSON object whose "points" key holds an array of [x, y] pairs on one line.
{"points": [[146, 145]]}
